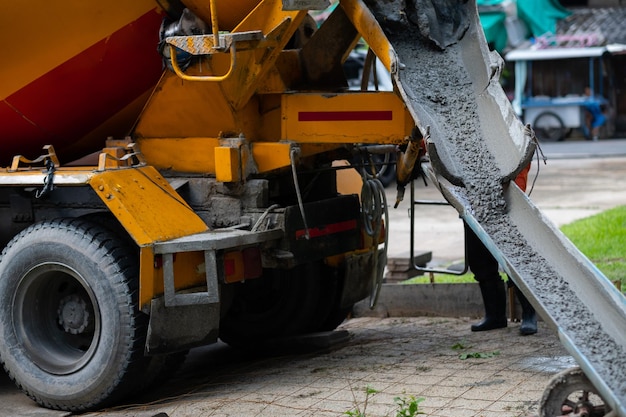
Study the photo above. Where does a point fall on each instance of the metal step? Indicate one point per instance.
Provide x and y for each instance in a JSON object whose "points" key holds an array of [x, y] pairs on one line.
{"points": [[209, 242]]}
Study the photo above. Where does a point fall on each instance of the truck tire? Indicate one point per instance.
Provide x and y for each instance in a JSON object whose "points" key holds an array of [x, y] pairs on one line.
{"points": [[71, 336], [385, 168]]}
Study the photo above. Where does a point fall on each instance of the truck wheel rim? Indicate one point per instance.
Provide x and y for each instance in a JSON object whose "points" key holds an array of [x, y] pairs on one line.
{"points": [[56, 318]]}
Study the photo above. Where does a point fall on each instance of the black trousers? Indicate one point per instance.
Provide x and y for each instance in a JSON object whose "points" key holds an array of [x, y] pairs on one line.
{"points": [[480, 261]]}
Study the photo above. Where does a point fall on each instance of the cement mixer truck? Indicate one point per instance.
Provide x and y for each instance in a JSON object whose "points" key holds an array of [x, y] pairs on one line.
{"points": [[170, 177]]}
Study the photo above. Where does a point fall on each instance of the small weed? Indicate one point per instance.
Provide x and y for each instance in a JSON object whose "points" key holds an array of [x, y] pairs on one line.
{"points": [[478, 355], [357, 412], [406, 406], [460, 346], [474, 355], [354, 413]]}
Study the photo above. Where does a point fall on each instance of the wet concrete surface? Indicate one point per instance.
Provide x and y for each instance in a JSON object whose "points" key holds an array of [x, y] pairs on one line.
{"points": [[397, 356]]}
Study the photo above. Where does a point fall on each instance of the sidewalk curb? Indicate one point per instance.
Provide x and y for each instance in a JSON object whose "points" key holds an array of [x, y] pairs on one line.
{"points": [[436, 300]]}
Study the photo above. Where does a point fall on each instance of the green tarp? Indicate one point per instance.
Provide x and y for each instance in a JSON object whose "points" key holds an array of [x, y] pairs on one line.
{"points": [[540, 16], [495, 32]]}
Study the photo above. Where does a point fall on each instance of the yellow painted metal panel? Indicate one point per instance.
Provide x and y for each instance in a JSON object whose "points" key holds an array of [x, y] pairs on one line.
{"points": [[189, 272], [277, 26], [148, 282], [227, 164], [269, 156], [353, 117], [229, 12], [180, 154], [199, 154], [286, 72], [146, 205], [191, 109], [349, 181], [181, 108]]}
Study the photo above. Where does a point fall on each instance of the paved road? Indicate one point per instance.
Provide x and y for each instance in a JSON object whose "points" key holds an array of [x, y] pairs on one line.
{"points": [[396, 356]]}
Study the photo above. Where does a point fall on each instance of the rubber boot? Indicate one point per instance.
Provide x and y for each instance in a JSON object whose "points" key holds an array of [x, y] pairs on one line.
{"points": [[529, 316], [494, 299]]}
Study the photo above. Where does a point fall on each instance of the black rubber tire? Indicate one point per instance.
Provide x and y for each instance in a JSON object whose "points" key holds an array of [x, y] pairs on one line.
{"points": [[564, 391], [282, 303], [549, 127], [72, 336], [386, 171]]}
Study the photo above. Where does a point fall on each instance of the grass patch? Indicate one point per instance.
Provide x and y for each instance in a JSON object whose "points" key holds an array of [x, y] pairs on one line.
{"points": [[441, 279], [602, 238]]}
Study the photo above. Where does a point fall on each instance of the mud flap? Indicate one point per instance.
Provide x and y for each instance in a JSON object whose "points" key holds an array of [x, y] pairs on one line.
{"points": [[358, 282], [172, 329], [332, 226]]}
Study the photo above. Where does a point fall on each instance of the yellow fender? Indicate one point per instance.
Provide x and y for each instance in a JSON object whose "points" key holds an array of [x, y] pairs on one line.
{"points": [[146, 204]]}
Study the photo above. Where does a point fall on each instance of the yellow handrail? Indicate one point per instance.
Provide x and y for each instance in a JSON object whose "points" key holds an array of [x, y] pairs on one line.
{"points": [[214, 24], [181, 74]]}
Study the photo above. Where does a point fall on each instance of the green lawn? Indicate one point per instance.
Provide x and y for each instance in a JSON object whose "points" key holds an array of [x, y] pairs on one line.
{"points": [[602, 238]]}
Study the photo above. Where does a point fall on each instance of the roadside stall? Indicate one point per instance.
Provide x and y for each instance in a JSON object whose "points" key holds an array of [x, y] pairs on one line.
{"points": [[560, 90]]}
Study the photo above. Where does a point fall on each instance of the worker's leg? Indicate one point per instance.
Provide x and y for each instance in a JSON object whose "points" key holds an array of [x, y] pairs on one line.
{"points": [[485, 269], [529, 316], [597, 122]]}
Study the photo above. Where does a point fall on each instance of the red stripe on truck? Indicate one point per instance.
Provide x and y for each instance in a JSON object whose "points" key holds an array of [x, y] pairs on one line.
{"points": [[344, 116], [328, 229]]}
